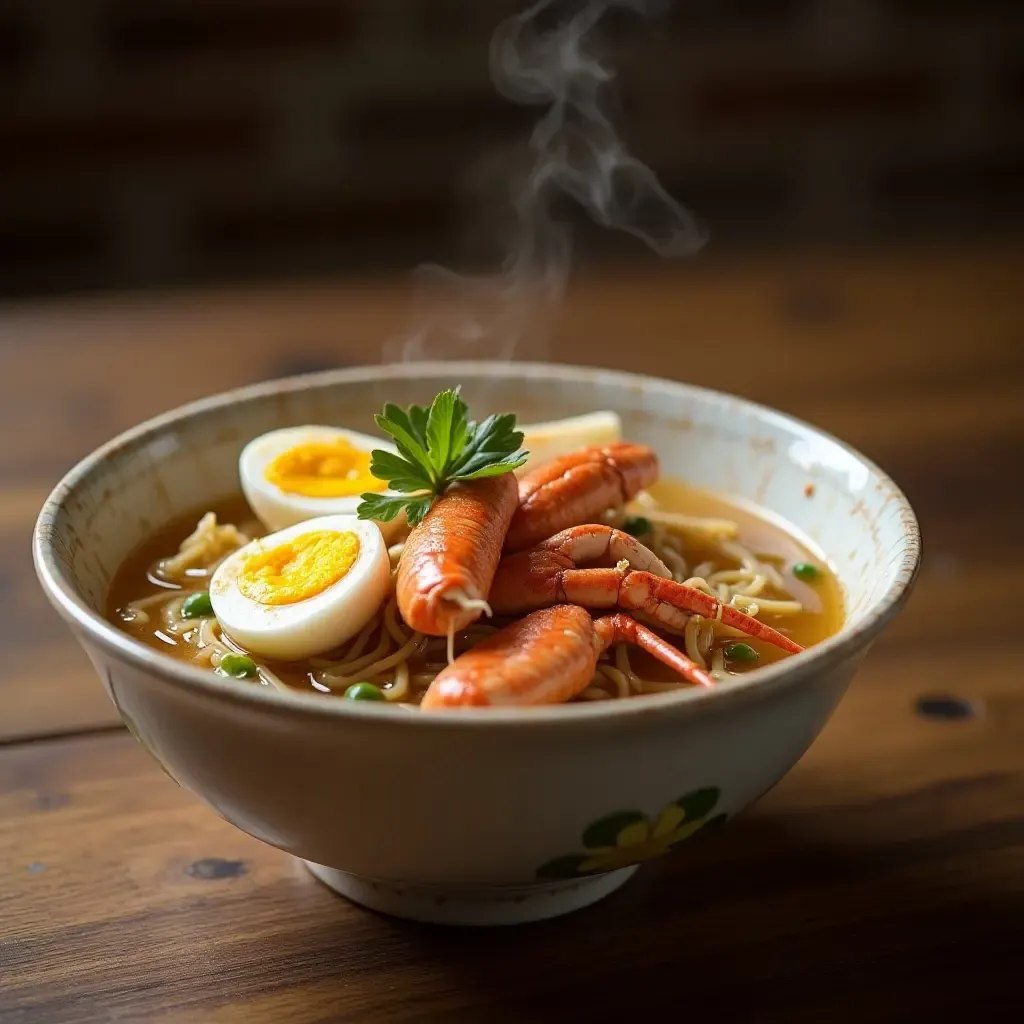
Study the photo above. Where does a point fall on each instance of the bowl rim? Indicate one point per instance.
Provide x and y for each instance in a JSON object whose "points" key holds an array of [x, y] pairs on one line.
{"points": [[850, 640]]}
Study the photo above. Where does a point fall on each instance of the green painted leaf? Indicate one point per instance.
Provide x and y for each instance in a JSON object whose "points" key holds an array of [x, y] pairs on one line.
{"points": [[718, 819], [605, 831], [561, 867], [700, 803]]}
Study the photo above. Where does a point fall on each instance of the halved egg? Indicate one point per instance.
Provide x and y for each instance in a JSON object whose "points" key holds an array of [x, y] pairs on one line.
{"points": [[295, 474], [303, 590], [552, 440]]}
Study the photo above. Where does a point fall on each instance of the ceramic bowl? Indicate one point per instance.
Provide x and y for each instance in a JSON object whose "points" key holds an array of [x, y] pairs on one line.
{"points": [[487, 816]]}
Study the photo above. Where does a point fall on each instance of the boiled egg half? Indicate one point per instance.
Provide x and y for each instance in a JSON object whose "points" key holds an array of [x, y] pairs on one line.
{"points": [[303, 590], [298, 473], [552, 440]]}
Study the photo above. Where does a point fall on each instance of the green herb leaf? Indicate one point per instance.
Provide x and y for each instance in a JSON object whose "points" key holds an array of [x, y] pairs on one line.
{"points": [[400, 473], [495, 468], [436, 447], [447, 425], [381, 507], [491, 443], [418, 417], [417, 508], [384, 507], [410, 443]]}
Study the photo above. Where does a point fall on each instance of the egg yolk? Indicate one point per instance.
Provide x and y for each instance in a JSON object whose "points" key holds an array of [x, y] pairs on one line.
{"points": [[323, 469], [298, 569]]}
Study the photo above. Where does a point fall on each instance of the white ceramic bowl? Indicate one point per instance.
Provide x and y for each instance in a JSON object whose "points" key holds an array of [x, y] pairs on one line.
{"points": [[486, 816]]}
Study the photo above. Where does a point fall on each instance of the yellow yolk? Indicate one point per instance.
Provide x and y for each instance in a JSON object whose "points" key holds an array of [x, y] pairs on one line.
{"points": [[298, 569], [323, 469]]}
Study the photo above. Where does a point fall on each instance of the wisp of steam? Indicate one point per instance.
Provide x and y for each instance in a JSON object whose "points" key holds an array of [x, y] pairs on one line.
{"points": [[539, 57]]}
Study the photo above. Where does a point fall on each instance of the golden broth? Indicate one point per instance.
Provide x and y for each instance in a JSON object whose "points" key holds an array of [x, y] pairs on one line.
{"points": [[822, 613], [822, 600]]}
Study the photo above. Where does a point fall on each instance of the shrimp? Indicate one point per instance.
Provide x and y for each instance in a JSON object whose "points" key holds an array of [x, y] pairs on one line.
{"points": [[449, 560], [548, 657], [577, 488]]}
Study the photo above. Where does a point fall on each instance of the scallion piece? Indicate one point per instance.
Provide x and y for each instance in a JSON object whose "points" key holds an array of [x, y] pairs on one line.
{"points": [[806, 571], [637, 526], [364, 691], [197, 605], [741, 652], [238, 666]]}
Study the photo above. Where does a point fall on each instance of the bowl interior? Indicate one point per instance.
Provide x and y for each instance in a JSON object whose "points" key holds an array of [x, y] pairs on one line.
{"points": [[830, 496]]}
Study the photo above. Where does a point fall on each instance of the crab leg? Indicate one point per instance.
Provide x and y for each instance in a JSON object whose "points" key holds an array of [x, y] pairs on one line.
{"points": [[640, 591], [594, 542], [621, 629], [539, 578]]}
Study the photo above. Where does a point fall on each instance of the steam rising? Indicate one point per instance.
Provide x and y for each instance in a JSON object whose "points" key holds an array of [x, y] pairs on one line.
{"points": [[539, 57]]}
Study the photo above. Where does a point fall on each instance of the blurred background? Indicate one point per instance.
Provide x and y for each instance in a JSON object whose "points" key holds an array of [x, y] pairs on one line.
{"points": [[177, 143]]}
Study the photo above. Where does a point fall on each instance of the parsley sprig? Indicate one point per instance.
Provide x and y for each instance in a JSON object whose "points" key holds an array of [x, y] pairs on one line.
{"points": [[436, 447]]}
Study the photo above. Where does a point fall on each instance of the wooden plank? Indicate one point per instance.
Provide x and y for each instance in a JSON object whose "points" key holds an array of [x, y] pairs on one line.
{"points": [[888, 325], [879, 881]]}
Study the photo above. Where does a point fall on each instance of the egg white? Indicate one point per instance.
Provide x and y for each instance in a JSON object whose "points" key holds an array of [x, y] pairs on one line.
{"points": [[552, 440], [278, 509], [317, 624]]}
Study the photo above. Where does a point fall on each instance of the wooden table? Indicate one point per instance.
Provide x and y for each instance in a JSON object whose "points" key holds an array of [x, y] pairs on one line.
{"points": [[882, 880]]}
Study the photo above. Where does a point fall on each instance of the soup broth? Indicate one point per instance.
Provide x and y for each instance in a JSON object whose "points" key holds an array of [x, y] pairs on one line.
{"points": [[705, 540]]}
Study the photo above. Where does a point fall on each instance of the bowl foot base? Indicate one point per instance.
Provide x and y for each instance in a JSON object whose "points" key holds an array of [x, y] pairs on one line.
{"points": [[471, 905]]}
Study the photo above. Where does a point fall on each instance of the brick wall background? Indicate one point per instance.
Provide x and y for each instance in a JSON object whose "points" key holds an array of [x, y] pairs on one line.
{"points": [[175, 142]]}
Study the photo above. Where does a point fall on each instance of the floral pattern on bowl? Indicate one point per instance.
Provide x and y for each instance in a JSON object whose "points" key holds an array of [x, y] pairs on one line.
{"points": [[625, 838]]}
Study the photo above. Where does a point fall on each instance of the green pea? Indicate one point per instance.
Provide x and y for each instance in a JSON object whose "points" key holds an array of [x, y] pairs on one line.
{"points": [[197, 605], [637, 525], [741, 652], [238, 666], [806, 571], [364, 691]]}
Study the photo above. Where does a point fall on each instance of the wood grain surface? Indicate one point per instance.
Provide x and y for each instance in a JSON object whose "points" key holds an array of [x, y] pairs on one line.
{"points": [[881, 879]]}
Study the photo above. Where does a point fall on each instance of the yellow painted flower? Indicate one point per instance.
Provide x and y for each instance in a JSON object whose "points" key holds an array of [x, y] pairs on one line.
{"points": [[626, 838]]}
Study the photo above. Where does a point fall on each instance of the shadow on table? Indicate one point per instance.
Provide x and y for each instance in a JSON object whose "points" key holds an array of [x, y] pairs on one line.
{"points": [[770, 917]]}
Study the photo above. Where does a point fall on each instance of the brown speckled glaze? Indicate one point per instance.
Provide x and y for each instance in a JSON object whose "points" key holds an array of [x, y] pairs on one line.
{"points": [[505, 790]]}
